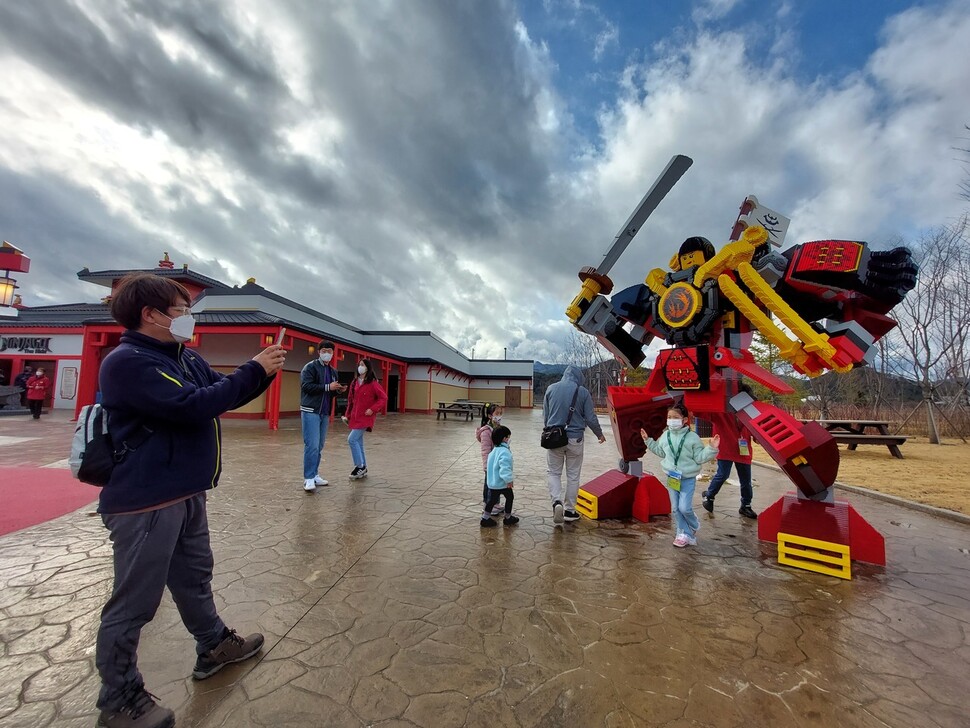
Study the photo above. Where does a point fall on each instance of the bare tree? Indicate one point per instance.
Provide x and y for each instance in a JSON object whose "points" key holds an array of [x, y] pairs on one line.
{"points": [[582, 351], [965, 184], [596, 362], [934, 317]]}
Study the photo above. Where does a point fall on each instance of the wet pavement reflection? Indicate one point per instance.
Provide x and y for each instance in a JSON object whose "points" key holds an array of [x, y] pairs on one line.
{"points": [[383, 602]]}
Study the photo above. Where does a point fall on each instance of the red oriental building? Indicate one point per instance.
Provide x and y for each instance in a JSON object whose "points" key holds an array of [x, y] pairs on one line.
{"points": [[418, 369]]}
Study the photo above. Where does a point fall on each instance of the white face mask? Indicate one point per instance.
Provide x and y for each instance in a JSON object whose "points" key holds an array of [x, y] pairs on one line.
{"points": [[496, 418], [674, 424], [362, 370], [181, 328], [325, 358]]}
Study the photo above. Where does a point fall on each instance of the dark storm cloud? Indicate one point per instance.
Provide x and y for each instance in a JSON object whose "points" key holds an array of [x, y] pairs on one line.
{"points": [[117, 61], [439, 103], [410, 165], [67, 228], [440, 109], [449, 140]]}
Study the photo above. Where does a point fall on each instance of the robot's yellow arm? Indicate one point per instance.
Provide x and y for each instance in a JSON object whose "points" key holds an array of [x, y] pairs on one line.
{"points": [[809, 344], [732, 255]]}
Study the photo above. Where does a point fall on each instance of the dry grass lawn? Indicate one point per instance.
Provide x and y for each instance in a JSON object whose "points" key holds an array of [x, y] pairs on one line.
{"points": [[936, 475]]}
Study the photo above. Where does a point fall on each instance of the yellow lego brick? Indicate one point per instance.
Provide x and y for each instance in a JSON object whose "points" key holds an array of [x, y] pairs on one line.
{"points": [[587, 504], [655, 281], [730, 257], [587, 293], [823, 557]]}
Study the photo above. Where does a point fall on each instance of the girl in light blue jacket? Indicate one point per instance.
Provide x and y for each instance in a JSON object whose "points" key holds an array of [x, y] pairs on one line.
{"points": [[499, 478], [682, 453]]}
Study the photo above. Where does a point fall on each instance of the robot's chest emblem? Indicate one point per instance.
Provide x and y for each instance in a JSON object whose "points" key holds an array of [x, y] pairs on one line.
{"points": [[679, 304]]}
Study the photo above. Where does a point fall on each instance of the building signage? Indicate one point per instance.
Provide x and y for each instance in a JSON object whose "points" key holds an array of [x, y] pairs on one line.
{"points": [[26, 344], [68, 382]]}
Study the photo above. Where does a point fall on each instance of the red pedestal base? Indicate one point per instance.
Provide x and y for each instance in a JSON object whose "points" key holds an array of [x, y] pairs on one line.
{"points": [[835, 522]]}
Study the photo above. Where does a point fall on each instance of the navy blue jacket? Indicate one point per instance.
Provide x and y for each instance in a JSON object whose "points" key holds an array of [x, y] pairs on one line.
{"points": [[314, 380], [179, 397]]}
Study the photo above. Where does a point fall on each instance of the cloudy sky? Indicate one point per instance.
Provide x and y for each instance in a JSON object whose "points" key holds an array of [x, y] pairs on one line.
{"points": [[449, 165]]}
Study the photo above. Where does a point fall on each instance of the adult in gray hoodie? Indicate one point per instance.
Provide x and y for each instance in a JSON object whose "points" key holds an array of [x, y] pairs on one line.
{"points": [[555, 412]]}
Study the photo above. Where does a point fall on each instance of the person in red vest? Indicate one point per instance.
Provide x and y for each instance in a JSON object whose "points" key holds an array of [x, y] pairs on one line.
{"points": [[735, 452], [37, 388]]}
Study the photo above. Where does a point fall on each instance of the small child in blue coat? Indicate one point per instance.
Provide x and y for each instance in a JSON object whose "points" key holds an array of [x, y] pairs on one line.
{"points": [[499, 478]]}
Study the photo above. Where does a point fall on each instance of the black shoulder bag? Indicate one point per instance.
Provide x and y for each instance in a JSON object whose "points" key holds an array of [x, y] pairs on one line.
{"points": [[555, 436]]}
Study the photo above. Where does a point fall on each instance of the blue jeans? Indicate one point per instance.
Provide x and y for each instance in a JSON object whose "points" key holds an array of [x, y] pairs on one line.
{"points": [[356, 442], [681, 508], [723, 471], [314, 436]]}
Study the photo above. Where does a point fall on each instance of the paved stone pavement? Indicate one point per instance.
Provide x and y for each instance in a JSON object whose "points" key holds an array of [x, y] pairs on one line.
{"points": [[385, 604]]}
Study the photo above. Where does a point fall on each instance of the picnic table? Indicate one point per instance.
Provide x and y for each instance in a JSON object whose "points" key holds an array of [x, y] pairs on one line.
{"points": [[863, 432], [459, 408]]}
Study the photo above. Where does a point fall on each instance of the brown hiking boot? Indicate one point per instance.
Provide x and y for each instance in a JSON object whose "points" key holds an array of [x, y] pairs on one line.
{"points": [[141, 711], [233, 648]]}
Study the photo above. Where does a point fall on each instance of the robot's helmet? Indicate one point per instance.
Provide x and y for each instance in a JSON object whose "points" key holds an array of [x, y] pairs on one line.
{"points": [[697, 244]]}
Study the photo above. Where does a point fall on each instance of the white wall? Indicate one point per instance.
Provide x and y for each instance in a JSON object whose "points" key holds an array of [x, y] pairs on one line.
{"points": [[67, 383]]}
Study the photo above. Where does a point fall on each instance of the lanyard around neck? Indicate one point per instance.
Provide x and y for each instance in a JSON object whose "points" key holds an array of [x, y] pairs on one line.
{"points": [[680, 446]]}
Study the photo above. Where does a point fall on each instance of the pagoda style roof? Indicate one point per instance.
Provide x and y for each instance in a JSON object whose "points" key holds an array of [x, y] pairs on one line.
{"points": [[108, 277], [67, 315]]}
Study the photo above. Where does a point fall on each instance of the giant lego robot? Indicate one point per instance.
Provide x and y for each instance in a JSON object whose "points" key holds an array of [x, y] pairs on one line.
{"points": [[824, 304]]}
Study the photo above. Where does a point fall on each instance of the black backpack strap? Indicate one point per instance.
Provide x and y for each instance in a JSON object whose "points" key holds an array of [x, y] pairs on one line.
{"points": [[127, 447], [572, 407]]}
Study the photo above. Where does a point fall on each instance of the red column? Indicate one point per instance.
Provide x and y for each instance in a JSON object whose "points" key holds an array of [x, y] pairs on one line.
{"points": [[273, 401], [87, 387]]}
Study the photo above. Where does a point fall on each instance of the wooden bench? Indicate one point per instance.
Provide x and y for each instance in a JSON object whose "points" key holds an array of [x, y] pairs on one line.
{"points": [[854, 433], [891, 441], [455, 410]]}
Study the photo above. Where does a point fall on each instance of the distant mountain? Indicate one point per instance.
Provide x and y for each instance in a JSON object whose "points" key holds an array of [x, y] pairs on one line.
{"points": [[540, 368]]}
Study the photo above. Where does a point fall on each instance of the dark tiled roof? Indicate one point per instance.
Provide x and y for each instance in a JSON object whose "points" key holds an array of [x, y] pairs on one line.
{"points": [[254, 289], [67, 315], [236, 318], [107, 277]]}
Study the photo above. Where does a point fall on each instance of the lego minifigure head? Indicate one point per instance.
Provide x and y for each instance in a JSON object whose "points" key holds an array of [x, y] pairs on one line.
{"points": [[695, 251]]}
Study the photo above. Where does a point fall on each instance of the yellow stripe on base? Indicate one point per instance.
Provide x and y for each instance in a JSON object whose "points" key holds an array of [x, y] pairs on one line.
{"points": [[824, 557], [587, 504]]}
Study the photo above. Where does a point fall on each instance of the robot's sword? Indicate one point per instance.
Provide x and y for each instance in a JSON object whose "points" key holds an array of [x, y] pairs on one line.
{"points": [[667, 179]]}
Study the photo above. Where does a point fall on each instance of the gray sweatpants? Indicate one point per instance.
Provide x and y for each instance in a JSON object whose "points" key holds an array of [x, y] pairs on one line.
{"points": [[164, 547]]}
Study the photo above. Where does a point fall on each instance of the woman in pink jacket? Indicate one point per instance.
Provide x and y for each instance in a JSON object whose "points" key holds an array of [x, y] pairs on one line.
{"points": [[364, 400]]}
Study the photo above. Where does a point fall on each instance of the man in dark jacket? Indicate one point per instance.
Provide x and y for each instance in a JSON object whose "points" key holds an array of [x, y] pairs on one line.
{"points": [[21, 381], [318, 382], [163, 404], [569, 403]]}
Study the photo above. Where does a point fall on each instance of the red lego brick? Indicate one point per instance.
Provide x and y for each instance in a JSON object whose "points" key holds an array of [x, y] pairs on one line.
{"points": [[633, 408], [608, 496], [650, 499]]}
